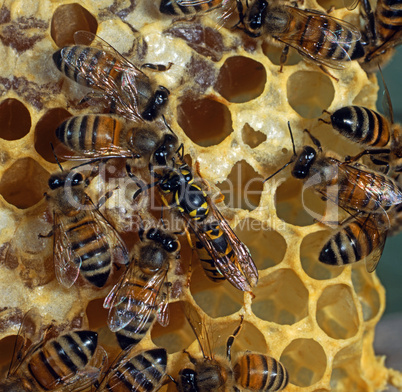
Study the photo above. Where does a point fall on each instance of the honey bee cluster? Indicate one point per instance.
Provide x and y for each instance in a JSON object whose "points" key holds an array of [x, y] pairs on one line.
{"points": [[123, 267]]}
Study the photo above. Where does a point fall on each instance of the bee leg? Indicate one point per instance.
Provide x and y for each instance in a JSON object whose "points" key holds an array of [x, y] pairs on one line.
{"points": [[375, 151], [284, 57], [323, 69], [314, 140], [105, 197], [157, 67], [325, 121], [190, 357], [48, 235], [232, 337], [371, 30]]}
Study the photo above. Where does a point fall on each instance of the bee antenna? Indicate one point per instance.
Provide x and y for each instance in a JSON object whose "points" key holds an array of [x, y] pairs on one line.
{"points": [[291, 137], [55, 156], [167, 125]]}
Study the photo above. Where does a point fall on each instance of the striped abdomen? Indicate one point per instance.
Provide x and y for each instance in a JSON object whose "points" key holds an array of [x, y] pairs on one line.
{"points": [[142, 312], [352, 243], [362, 125], [310, 34], [61, 358], [86, 64], [173, 7], [90, 248], [192, 201], [257, 372], [90, 134], [218, 240], [388, 17], [142, 373]]}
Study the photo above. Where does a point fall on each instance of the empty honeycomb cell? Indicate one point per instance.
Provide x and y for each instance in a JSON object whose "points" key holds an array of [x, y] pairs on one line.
{"points": [[337, 313], [241, 79], [309, 251], [215, 299], [15, 120], [251, 137], [296, 205], [274, 52], [45, 133], [69, 18], [366, 292], [281, 297], [309, 93], [266, 245], [205, 122], [305, 360], [178, 335], [96, 313], [249, 339], [242, 187], [24, 183]]}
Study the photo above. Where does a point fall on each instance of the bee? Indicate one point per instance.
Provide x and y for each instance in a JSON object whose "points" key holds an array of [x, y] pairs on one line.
{"points": [[252, 371], [120, 84], [316, 36], [361, 239], [190, 7], [84, 241], [228, 255], [72, 360], [106, 136], [142, 372], [383, 30], [142, 294]]}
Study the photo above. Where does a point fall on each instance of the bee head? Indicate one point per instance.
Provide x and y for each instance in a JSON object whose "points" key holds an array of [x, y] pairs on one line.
{"points": [[304, 162], [256, 15], [158, 101], [166, 149]]}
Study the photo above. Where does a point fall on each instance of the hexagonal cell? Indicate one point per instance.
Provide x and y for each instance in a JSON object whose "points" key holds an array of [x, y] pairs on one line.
{"points": [[215, 299], [296, 205], [309, 251], [274, 53], [241, 79], [309, 93], [346, 373], [45, 133], [97, 314], [24, 183], [178, 335], [281, 298], [251, 137], [336, 312], [266, 245], [205, 122], [243, 187], [366, 292], [69, 18], [305, 360], [15, 119]]}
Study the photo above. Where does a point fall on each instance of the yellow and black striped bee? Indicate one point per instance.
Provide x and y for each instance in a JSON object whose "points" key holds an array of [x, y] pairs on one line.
{"points": [[121, 86], [142, 294], [361, 239], [190, 7], [383, 31], [142, 372], [227, 254], [68, 362], [316, 36], [93, 136], [84, 241], [252, 371]]}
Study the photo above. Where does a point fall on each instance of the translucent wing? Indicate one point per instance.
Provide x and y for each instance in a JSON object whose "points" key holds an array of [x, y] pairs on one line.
{"points": [[162, 311], [192, 3], [133, 298]]}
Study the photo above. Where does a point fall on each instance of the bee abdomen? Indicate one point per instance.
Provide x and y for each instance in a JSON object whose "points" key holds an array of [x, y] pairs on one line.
{"points": [[171, 7], [62, 357], [257, 372], [362, 125], [131, 334]]}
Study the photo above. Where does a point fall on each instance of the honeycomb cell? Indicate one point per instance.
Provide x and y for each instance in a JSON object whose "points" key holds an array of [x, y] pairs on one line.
{"points": [[215, 299], [69, 18], [309, 93], [309, 251], [266, 245], [335, 4], [251, 137], [178, 335], [296, 205], [6, 349], [337, 313], [243, 187], [97, 314], [15, 120], [305, 361], [24, 183], [281, 297], [250, 338], [241, 79], [205, 122], [366, 292], [45, 133], [274, 53]]}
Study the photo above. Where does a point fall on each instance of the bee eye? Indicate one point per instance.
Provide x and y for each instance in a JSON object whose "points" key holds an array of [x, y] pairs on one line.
{"points": [[55, 182], [77, 179], [153, 234], [171, 245]]}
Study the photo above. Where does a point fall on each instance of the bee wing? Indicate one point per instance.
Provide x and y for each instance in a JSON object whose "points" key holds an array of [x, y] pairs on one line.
{"points": [[67, 263], [310, 38], [162, 311], [192, 3]]}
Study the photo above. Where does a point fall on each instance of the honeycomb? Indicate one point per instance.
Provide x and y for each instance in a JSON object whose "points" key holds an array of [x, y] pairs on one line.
{"points": [[229, 106]]}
